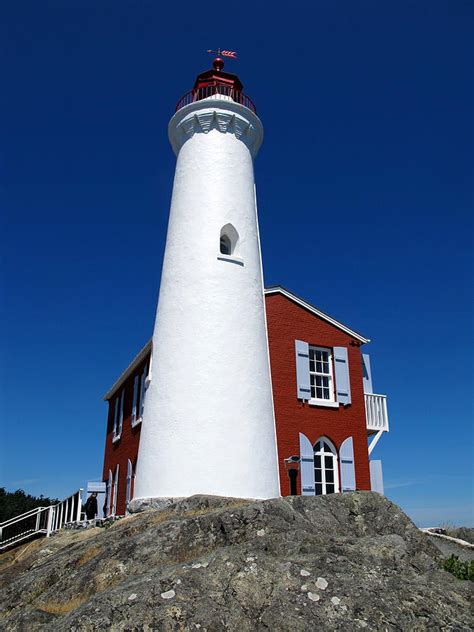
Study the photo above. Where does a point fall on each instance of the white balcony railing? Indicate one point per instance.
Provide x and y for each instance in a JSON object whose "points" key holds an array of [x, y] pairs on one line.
{"points": [[376, 412]]}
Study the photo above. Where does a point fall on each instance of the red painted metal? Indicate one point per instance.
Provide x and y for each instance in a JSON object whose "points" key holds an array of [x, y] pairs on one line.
{"points": [[204, 92]]}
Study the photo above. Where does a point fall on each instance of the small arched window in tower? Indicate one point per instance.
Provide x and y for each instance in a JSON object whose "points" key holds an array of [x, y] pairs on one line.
{"points": [[225, 245], [228, 240]]}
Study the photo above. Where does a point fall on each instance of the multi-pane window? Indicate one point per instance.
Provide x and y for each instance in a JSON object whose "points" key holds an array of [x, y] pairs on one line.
{"points": [[320, 372], [326, 478]]}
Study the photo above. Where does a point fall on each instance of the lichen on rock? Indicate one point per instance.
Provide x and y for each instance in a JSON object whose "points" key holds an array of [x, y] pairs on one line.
{"points": [[340, 562]]}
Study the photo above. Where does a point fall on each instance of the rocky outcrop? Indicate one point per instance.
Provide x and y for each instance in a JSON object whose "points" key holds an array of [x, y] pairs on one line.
{"points": [[342, 562]]}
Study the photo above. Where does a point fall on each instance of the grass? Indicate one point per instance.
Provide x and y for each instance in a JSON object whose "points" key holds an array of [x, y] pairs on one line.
{"points": [[458, 568]]}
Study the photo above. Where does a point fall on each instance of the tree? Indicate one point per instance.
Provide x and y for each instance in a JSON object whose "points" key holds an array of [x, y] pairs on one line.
{"points": [[15, 503]]}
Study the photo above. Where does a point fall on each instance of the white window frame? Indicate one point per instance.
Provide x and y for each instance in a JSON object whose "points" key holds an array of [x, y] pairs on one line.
{"points": [[335, 466], [118, 416], [315, 401]]}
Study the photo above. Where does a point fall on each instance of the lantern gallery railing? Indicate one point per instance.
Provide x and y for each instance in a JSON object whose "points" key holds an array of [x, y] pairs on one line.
{"points": [[376, 412], [216, 91], [41, 521]]}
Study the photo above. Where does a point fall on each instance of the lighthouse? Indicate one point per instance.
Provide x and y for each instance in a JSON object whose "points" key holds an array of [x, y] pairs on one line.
{"points": [[208, 421]]}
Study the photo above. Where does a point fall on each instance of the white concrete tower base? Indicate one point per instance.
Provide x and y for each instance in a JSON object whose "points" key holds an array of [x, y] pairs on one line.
{"points": [[208, 423]]}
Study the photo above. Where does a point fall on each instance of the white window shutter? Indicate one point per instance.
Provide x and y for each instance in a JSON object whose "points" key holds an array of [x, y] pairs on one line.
{"points": [[116, 482], [302, 370], [109, 493], [121, 412], [376, 477], [142, 391], [135, 398], [366, 374], [306, 466], [128, 496], [116, 414], [341, 369], [346, 458]]}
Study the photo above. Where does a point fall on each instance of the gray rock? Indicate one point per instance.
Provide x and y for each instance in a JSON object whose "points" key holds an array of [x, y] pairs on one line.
{"points": [[217, 564], [143, 504]]}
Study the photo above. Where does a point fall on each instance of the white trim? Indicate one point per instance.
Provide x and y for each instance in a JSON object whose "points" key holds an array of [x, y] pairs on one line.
{"points": [[116, 437], [109, 493], [115, 492], [375, 440], [280, 290], [325, 403]]}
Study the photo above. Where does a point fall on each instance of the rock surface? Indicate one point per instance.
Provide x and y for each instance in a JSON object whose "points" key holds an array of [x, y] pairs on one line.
{"points": [[341, 562]]}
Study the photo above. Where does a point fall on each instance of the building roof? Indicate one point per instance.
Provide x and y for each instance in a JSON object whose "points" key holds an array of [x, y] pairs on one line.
{"points": [[278, 289], [275, 289]]}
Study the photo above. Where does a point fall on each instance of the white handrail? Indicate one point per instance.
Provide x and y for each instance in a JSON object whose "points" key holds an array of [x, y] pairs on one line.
{"points": [[21, 516], [41, 520]]}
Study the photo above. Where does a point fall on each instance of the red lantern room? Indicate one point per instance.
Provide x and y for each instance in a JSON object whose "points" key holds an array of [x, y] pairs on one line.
{"points": [[216, 82]]}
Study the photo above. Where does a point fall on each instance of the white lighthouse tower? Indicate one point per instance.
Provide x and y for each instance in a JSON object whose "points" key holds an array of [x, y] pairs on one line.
{"points": [[208, 423]]}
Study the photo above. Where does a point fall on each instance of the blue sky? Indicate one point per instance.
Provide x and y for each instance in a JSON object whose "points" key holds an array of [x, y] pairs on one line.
{"points": [[364, 186]]}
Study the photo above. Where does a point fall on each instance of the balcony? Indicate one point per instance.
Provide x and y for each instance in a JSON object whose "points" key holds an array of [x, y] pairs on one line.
{"points": [[216, 91], [376, 413]]}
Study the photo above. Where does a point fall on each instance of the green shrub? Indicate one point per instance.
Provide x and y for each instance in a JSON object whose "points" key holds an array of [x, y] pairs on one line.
{"points": [[458, 568]]}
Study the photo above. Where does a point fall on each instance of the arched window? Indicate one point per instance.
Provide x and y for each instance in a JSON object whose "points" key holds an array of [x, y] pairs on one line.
{"points": [[229, 238], [326, 475], [226, 246]]}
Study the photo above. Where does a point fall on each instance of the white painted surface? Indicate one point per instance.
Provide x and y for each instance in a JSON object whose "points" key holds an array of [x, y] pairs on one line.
{"points": [[208, 424], [376, 476]]}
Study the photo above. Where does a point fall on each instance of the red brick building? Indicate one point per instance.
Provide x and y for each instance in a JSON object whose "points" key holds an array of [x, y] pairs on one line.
{"points": [[325, 408]]}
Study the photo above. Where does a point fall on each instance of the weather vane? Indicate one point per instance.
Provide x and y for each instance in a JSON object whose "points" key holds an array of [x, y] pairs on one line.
{"points": [[224, 53]]}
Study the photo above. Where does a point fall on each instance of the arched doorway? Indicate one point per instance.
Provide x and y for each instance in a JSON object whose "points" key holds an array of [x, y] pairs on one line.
{"points": [[326, 474]]}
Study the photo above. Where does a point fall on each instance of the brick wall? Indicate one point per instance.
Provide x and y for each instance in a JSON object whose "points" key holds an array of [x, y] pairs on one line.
{"points": [[127, 446], [286, 323]]}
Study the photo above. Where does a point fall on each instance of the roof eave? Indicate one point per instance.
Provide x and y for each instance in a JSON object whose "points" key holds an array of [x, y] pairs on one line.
{"points": [[129, 370], [278, 289]]}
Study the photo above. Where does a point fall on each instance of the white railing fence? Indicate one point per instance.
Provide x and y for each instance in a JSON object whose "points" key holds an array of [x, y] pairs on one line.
{"points": [[376, 412], [41, 521]]}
